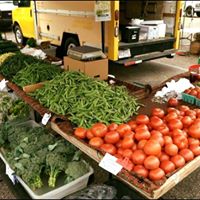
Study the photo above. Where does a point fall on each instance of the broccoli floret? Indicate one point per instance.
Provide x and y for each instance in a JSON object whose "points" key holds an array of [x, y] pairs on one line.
{"points": [[55, 163], [75, 169]]}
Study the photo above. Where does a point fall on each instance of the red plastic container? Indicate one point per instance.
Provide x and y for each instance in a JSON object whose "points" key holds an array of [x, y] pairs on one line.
{"points": [[194, 73]]}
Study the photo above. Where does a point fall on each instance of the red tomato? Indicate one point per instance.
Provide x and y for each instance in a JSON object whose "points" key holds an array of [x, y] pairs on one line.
{"points": [[171, 149], [120, 151], [184, 108], [132, 124], [158, 139], [118, 156], [127, 153], [142, 134], [151, 162], [122, 128], [195, 149], [180, 141], [141, 126], [187, 121], [140, 170], [142, 119], [170, 116], [194, 131], [130, 134], [163, 157], [134, 147], [99, 129], [190, 113], [156, 122], [178, 160], [163, 129], [167, 140], [109, 148], [96, 142], [175, 124], [138, 157], [171, 109], [187, 154], [80, 132], [127, 143], [89, 134], [141, 144], [119, 144], [193, 141], [158, 112], [112, 137], [157, 133], [112, 127], [168, 166], [173, 102], [193, 93], [156, 174], [152, 147]]}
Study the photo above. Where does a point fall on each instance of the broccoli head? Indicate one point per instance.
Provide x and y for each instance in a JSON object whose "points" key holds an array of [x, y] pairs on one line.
{"points": [[76, 169]]}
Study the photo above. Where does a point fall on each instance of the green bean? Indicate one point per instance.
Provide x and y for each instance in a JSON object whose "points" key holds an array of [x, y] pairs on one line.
{"points": [[87, 100]]}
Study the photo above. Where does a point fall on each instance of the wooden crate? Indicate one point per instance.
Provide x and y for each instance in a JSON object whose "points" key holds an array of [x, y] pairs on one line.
{"points": [[144, 186]]}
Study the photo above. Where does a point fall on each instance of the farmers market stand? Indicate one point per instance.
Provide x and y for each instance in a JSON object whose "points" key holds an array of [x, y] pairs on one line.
{"points": [[62, 126]]}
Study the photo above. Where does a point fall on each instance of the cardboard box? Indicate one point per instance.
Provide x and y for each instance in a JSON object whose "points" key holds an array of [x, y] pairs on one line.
{"points": [[95, 69]]}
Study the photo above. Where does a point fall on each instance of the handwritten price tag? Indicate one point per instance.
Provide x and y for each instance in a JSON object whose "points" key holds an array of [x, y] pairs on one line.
{"points": [[46, 118], [3, 86], [109, 163]]}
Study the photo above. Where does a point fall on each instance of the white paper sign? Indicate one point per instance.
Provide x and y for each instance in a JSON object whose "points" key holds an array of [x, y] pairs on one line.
{"points": [[109, 163], [102, 11], [46, 118], [10, 174], [3, 86]]}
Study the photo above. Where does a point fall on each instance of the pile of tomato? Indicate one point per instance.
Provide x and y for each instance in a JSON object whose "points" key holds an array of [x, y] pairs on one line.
{"points": [[193, 92], [156, 145]]}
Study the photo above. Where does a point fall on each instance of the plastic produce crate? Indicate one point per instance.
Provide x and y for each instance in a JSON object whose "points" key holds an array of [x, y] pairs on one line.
{"points": [[61, 190], [197, 103], [188, 98]]}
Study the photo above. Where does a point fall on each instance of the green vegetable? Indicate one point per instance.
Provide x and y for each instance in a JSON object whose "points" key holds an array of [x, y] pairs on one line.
{"points": [[7, 46], [35, 73], [86, 100], [31, 151], [76, 169], [15, 63]]}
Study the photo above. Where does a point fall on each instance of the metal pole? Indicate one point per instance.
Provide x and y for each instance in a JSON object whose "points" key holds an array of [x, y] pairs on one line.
{"points": [[103, 36]]}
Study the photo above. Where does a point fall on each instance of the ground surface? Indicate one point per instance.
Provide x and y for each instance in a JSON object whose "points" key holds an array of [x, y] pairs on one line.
{"points": [[153, 73]]}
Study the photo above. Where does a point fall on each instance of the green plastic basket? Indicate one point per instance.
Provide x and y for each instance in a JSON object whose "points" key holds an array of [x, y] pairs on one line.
{"points": [[197, 102], [188, 98]]}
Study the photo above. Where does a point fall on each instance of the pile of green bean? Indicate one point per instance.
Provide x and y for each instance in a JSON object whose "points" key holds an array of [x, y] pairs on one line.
{"points": [[15, 63], [86, 100], [35, 73]]}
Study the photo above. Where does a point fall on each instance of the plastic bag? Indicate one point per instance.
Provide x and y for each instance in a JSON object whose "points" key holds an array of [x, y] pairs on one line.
{"points": [[95, 192]]}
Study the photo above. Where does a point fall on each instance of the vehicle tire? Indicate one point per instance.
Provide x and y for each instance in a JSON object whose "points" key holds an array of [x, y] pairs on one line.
{"points": [[198, 14], [20, 39], [189, 11], [69, 43]]}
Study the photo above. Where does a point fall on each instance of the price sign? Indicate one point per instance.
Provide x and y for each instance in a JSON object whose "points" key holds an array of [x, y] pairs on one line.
{"points": [[46, 118], [109, 163]]}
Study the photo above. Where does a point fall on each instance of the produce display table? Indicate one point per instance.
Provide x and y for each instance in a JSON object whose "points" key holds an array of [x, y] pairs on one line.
{"points": [[147, 188]]}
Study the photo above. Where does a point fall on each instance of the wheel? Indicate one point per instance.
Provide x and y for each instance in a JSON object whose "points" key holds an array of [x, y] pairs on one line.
{"points": [[69, 43], [198, 14], [19, 35], [189, 11]]}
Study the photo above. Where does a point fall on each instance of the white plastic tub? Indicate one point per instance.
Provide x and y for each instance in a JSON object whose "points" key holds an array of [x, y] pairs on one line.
{"points": [[61, 190]]}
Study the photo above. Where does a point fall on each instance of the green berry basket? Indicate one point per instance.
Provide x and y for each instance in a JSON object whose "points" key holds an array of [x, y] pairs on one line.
{"points": [[197, 102], [188, 98]]}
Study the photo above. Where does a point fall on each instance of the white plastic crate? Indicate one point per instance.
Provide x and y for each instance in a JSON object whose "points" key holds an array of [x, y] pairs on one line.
{"points": [[61, 190]]}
